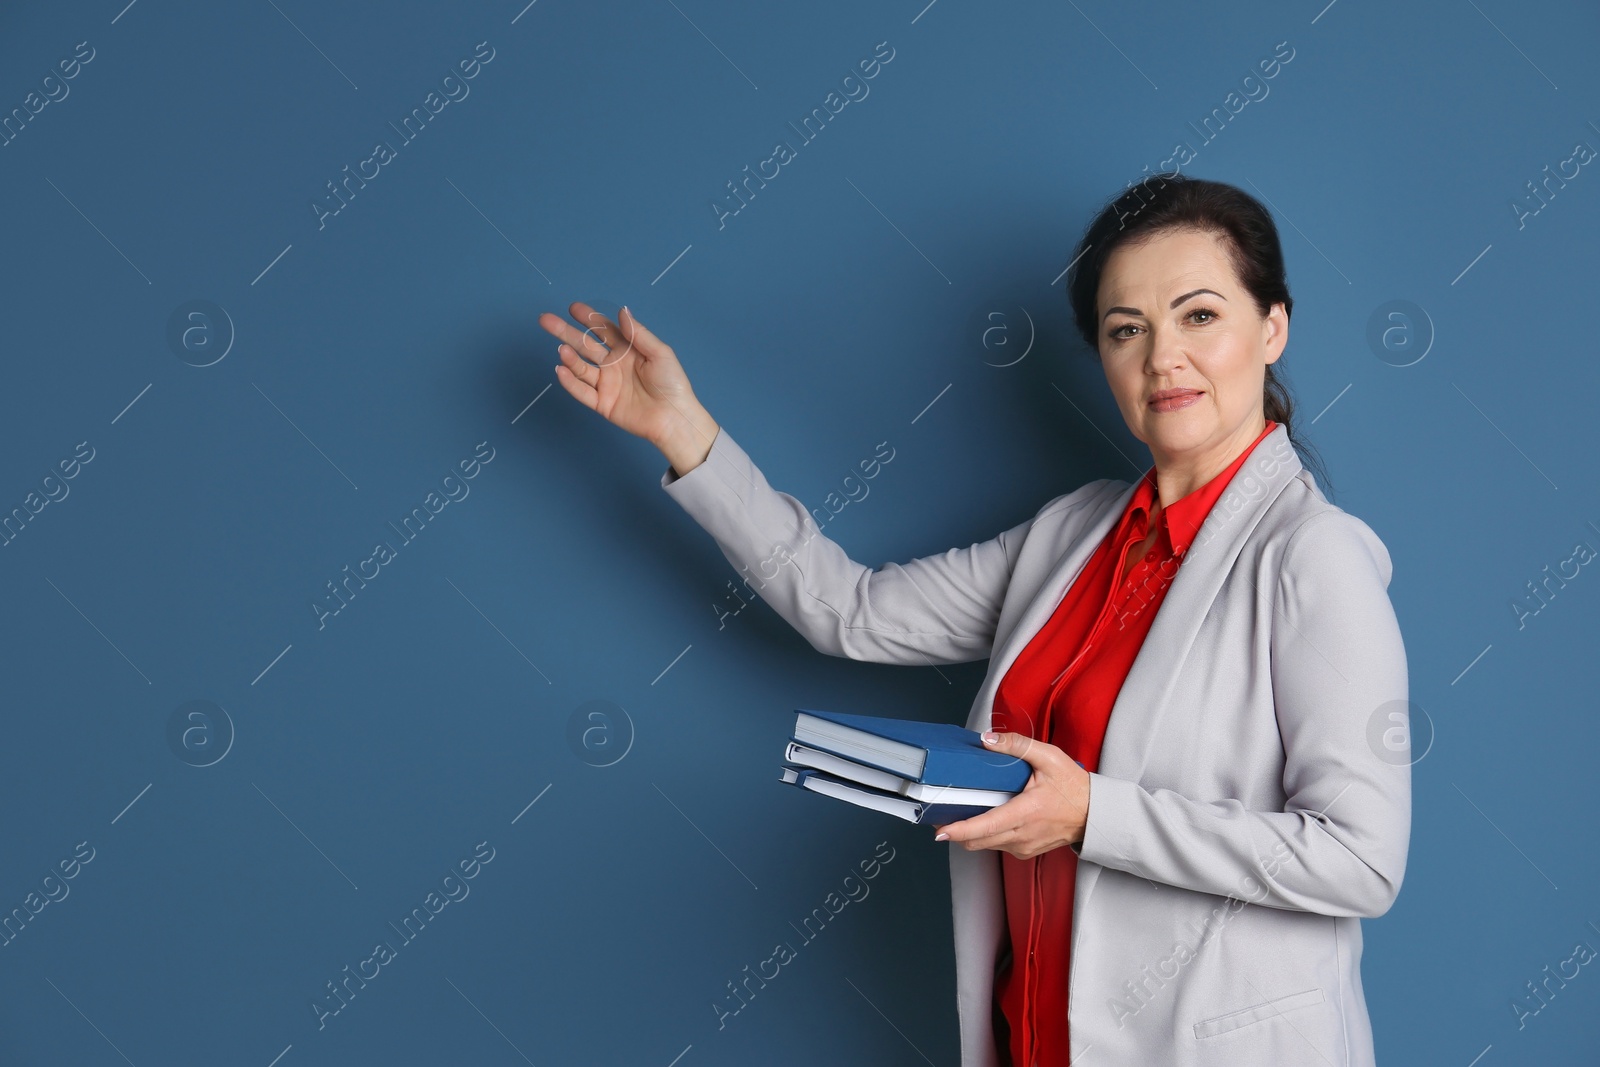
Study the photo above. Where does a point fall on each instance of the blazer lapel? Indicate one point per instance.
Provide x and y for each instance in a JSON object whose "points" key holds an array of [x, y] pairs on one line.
{"points": [[1133, 729], [1045, 601], [1136, 714]]}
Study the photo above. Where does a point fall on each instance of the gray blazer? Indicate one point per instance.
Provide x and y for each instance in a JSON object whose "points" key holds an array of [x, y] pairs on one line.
{"points": [[1253, 798]]}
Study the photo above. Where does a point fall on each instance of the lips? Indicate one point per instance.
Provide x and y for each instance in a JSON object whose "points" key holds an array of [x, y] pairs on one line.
{"points": [[1174, 399]]}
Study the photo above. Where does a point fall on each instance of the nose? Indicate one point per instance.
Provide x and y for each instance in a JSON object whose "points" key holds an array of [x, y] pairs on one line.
{"points": [[1165, 351]]}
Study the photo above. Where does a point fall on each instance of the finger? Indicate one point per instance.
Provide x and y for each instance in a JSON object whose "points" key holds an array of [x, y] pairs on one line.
{"points": [[602, 331], [1000, 839], [581, 370], [996, 844], [988, 824], [649, 345], [577, 388], [585, 344], [1035, 753]]}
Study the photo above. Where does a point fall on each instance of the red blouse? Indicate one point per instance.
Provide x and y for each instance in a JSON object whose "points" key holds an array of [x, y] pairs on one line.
{"points": [[1061, 688]]}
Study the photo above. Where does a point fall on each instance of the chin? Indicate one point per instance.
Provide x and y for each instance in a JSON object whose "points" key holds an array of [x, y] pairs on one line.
{"points": [[1178, 431]]}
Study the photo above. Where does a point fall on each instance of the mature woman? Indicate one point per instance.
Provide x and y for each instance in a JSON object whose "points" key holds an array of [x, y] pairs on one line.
{"points": [[1203, 670]]}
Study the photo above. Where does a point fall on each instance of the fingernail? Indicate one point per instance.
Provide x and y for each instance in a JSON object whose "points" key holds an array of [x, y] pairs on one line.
{"points": [[990, 737], [941, 837]]}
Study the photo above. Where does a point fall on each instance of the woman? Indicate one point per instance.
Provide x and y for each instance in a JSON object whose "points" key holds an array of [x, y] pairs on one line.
{"points": [[1196, 667]]}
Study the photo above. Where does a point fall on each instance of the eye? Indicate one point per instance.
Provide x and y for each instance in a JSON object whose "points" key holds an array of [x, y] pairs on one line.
{"points": [[1116, 333]]}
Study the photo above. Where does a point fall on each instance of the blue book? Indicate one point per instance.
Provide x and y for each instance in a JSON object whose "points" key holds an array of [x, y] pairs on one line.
{"points": [[859, 773], [933, 753], [924, 813]]}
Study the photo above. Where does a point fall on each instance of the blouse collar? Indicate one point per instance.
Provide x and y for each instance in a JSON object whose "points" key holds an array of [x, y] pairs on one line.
{"points": [[1184, 517]]}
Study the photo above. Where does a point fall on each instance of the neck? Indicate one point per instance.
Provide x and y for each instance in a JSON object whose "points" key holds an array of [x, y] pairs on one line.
{"points": [[1178, 476]]}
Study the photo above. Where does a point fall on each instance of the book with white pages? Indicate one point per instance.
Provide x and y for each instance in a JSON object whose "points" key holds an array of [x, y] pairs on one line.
{"points": [[877, 778], [922, 812], [933, 753]]}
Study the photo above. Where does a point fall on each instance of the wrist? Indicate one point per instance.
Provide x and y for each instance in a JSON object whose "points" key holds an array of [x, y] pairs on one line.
{"points": [[1080, 827], [688, 439]]}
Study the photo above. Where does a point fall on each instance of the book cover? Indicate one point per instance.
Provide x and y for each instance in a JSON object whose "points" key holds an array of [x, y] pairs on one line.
{"points": [[933, 753]]}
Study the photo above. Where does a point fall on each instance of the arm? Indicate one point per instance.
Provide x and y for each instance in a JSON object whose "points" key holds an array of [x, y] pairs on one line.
{"points": [[938, 609], [1339, 846]]}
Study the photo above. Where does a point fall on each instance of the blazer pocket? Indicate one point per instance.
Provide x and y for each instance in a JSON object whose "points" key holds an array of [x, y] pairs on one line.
{"points": [[1261, 1012]]}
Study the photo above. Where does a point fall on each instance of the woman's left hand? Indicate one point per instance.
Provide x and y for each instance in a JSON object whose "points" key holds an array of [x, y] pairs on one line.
{"points": [[1051, 810]]}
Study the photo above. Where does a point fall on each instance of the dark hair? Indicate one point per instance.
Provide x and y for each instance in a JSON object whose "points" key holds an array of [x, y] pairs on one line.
{"points": [[1162, 203]]}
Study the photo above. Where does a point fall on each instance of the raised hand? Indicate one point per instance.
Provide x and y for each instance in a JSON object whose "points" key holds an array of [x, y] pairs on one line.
{"points": [[633, 379]]}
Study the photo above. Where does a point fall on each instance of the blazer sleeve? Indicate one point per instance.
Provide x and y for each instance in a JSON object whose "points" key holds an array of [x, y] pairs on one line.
{"points": [[1339, 684], [938, 609]]}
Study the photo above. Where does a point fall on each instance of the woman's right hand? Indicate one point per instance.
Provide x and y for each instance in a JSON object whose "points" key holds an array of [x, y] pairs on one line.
{"points": [[631, 377]]}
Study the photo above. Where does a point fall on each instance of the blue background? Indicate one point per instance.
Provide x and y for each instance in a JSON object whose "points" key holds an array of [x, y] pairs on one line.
{"points": [[900, 282]]}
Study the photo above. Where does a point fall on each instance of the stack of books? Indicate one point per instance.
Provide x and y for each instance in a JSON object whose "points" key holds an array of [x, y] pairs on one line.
{"points": [[923, 772]]}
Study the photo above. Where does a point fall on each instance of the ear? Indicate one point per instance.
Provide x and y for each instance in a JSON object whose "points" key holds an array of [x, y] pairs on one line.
{"points": [[1275, 332]]}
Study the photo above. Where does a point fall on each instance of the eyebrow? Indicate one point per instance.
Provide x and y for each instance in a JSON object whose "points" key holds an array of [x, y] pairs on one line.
{"points": [[1174, 304]]}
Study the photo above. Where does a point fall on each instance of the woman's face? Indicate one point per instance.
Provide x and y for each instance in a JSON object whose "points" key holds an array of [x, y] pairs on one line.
{"points": [[1173, 316]]}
